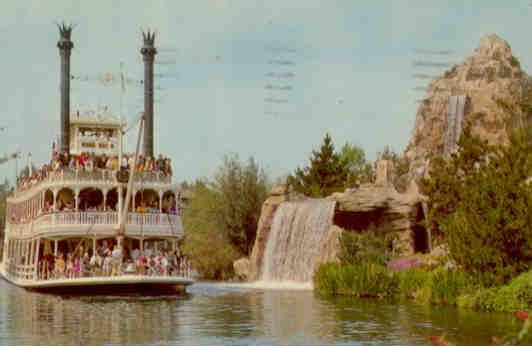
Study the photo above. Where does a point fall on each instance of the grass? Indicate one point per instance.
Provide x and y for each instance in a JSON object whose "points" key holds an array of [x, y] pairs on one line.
{"points": [[436, 286]]}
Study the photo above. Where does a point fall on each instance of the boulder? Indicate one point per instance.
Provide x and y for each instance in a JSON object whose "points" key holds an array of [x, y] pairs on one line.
{"points": [[241, 267]]}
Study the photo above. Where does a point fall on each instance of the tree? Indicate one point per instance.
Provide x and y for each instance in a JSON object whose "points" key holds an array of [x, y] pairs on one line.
{"points": [[480, 201], [243, 189], [206, 243], [221, 218], [359, 170], [326, 173]]}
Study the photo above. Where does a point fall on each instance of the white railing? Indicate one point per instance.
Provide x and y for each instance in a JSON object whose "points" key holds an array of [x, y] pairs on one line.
{"points": [[84, 218], [46, 271], [170, 222], [74, 176]]}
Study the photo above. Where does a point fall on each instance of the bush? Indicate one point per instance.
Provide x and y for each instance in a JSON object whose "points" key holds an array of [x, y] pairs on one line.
{"points": [[517, 295]]}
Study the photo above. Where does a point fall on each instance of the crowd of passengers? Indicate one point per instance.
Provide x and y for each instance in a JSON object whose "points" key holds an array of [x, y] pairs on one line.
{"points": [[111, 261], [90, 162]]}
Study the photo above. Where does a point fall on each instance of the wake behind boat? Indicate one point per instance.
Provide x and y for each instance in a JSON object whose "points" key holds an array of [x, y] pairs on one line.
{"points": [[94, 219]]}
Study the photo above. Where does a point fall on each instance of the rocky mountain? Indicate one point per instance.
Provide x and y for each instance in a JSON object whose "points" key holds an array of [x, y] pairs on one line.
{"points": [[496, 92]]}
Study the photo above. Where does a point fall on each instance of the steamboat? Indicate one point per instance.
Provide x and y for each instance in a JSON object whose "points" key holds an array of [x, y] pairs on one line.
{"points": [[97, 220]]}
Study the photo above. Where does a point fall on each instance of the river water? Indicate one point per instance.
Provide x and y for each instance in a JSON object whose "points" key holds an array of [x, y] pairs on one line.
{"points": [[225, 314]]}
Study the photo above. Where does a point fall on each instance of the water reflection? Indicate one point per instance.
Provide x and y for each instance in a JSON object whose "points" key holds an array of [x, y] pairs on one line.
{"points": [[232, 315]]}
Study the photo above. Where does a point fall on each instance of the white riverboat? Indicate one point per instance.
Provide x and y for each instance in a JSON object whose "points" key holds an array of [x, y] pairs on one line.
{"points": [[95, 219]]}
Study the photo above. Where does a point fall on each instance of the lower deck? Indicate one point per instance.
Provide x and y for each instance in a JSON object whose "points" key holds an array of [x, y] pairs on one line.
{"points": [[126, 283]]}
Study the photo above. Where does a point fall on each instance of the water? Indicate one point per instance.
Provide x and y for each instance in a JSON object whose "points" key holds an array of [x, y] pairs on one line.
{"points": [[298, 232], [233, 315]]}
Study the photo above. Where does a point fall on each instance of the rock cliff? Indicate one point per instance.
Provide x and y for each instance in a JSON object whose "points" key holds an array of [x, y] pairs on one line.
{"points": [[494, 86]]}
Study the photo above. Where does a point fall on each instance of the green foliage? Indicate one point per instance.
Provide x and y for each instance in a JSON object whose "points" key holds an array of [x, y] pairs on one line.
{"points": [[368, 246], [242, 189], [221, 219], [326, 173], [517, 295], [361, 280], [206, 243], [412, 281], [359, 170], [366, 279], [444, 287], [479, 200]]}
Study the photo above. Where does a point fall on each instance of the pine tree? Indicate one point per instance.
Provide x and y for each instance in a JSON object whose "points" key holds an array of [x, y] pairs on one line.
{"points": [[326, 173]]}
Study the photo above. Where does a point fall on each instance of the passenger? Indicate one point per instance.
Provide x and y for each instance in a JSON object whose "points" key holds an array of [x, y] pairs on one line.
{"points": [[135, 254], [116, 260], [164, 264], [141, 263], [76, 268], [107, 263], [95, 264], [85, 265], [59, 267], [69, 266]]}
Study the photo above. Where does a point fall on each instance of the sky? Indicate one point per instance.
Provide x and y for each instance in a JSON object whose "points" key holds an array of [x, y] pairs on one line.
{"points": [[349, 66]]}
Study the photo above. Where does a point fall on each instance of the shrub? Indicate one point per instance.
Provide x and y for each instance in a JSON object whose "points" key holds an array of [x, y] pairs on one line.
{"points": [[517, 295]]}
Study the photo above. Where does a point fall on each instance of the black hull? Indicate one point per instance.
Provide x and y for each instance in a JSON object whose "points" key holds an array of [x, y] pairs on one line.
{"points": [[113, 290]]}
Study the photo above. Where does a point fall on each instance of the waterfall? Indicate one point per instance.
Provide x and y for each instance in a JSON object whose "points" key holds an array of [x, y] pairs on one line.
{"points": [[297, 234], [455, 115]]}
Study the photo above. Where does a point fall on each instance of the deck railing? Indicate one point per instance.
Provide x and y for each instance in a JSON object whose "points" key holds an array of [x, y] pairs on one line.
{"points": [[115, 269], [171, 221], [45, 272], [73, 176]]}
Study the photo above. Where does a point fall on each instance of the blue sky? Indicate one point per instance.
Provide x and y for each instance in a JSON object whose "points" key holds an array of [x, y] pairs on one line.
{"points": [[352, 62]]}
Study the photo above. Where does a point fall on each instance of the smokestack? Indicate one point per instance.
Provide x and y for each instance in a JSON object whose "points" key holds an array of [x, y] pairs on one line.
{"points": [[148, 52], [65, 46]]}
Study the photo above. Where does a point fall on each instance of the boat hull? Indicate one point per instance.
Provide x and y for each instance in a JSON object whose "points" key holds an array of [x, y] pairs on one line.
{"points": [[123, 284]]}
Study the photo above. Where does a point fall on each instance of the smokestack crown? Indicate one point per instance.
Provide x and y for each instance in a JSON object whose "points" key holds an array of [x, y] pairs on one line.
{"points": [[148, 48], [149, 38], [64, 36]]}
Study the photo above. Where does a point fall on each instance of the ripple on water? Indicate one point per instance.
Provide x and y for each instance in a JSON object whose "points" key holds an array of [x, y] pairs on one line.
{"points": [[232, 314]]}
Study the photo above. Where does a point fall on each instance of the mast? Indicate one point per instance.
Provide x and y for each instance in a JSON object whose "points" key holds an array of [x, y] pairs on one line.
{"points": [[132, 170]]}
